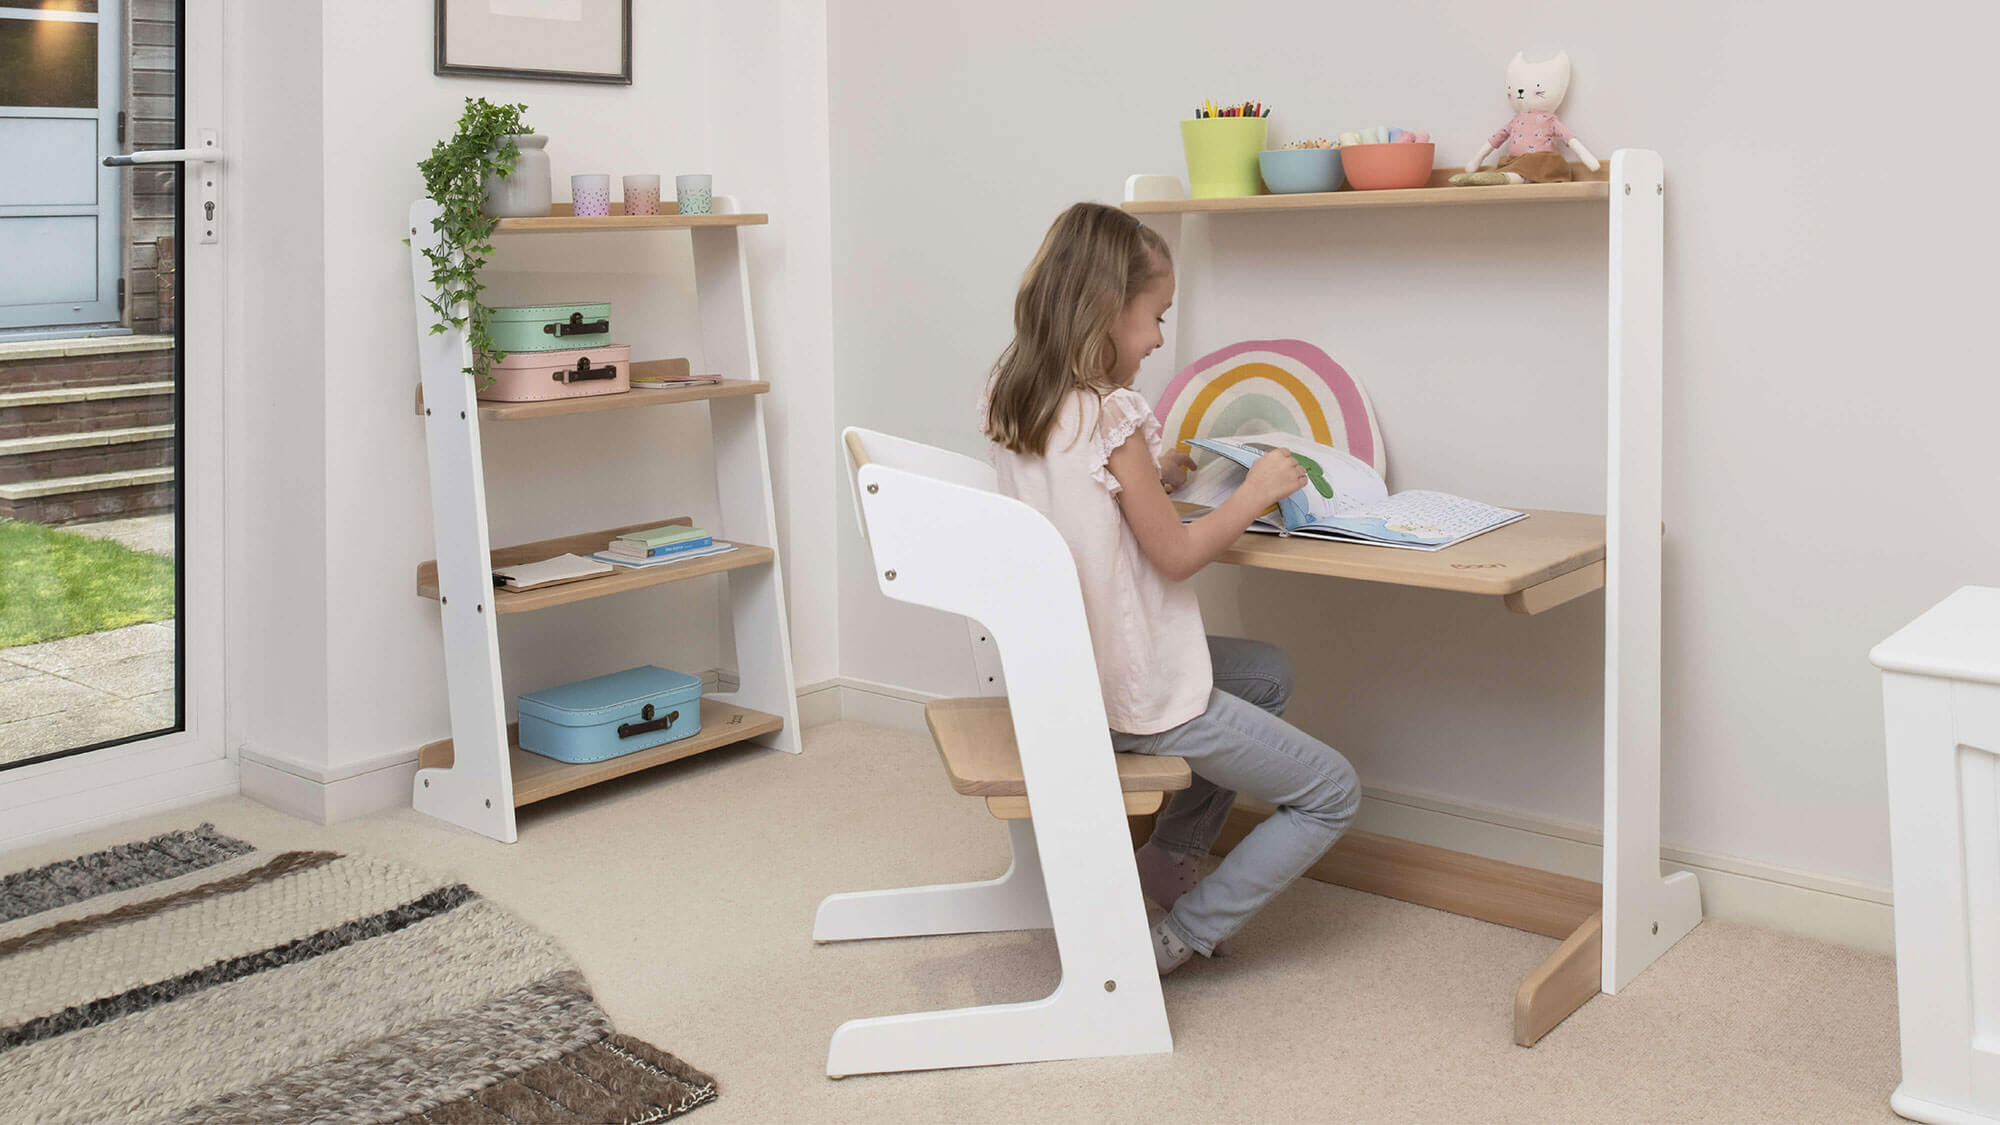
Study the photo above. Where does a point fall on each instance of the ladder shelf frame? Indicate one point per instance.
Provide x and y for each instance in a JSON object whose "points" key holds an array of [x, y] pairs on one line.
{"points": [[477, 790], [1644, 912]]}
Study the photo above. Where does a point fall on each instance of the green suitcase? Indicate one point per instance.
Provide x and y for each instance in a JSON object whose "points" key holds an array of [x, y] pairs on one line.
{"points": [[548, 328]]}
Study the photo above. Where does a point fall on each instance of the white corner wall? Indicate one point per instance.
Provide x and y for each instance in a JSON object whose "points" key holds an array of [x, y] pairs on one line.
{"points": [[1830, 398]]}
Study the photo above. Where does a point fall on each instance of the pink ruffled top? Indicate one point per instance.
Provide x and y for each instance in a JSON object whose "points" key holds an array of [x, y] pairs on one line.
{"points": [[1152, 653]]}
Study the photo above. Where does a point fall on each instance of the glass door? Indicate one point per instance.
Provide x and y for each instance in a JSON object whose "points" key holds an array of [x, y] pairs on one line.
{"points": [[109, 365]]}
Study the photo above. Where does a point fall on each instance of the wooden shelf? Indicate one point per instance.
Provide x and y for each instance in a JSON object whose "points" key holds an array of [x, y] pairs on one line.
{"points": [[1511, 562], [537, 778], [617, 582], [634, 399], [1589, 186], [561, 219]]}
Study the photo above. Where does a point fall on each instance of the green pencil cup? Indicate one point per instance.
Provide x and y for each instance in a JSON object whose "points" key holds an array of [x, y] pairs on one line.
{"points": [[1222, 155]]}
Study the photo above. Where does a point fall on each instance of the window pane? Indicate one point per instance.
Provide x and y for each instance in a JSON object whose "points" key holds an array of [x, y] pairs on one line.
{"points": [[48, 63]]}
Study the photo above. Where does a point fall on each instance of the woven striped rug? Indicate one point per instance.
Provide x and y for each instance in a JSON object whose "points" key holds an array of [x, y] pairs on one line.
{"points": [[191, 977]]}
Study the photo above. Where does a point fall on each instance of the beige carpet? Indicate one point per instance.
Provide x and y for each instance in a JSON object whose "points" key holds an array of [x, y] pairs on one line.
{"points": [[686, 895]]}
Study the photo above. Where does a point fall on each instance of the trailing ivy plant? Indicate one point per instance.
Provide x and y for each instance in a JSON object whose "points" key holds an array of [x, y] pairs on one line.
{"points": [[454, 176]]}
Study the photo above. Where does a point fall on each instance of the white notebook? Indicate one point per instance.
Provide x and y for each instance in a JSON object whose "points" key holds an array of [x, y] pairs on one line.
{"points": [[548, 572]]}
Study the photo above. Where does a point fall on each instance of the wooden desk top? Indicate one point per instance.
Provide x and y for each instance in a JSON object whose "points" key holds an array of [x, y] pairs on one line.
{"points": [[1514, 558]]}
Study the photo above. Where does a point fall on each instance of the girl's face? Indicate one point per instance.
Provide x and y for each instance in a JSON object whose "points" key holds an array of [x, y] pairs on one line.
{"points": [[1136, 332]]}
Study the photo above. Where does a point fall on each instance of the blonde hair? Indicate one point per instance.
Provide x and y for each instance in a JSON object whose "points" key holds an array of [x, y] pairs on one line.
{"points": [[1091, 263]]}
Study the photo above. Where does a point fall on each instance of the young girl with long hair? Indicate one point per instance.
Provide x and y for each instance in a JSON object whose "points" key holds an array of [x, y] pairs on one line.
{"points": [[1072, 439]]}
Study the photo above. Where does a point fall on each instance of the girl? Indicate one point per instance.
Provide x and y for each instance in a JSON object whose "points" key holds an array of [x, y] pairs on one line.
{"points": [[1074, 440]]}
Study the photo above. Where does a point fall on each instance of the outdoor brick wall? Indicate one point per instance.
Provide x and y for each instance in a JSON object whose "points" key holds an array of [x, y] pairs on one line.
{"points": [[149, 192]]}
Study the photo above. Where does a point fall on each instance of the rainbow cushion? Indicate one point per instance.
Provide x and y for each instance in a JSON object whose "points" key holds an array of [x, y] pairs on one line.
{"points": [[1262, 385]]}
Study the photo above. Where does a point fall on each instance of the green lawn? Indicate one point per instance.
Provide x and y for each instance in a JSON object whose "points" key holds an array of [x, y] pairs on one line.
{"points": [[56, 583]]}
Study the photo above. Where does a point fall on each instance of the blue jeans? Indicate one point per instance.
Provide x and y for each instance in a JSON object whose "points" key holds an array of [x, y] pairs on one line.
{"points": [[1240, 745]]}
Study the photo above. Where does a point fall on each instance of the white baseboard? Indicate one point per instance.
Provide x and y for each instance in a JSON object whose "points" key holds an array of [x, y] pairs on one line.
{"points": [[1834, 910], [819, 703], [327, 797]]}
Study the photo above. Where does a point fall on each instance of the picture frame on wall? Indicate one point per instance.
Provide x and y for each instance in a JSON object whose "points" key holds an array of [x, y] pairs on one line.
{"points": [[540, 40]]}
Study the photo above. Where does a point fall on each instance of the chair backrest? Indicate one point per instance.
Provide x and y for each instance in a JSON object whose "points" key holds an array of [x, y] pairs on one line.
{"points": [[870, 447], [942, 537]]}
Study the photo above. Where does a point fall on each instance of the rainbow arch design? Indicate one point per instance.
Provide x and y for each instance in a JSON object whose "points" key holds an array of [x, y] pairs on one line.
{"points": [[1285, 385]]}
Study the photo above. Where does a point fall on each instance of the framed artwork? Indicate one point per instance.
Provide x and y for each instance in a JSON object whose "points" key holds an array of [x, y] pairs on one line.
{"points": [[548, 40]]}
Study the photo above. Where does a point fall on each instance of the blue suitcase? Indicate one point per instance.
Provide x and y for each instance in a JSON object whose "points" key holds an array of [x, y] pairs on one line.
{"points": [[609, 716]]}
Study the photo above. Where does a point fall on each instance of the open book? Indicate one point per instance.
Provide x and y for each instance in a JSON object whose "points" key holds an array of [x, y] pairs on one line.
{"points": [[1344, 498]]}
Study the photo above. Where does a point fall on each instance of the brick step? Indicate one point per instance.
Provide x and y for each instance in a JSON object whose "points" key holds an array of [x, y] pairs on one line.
{"points": [[89, 497], [67, 456], [63, 410]]}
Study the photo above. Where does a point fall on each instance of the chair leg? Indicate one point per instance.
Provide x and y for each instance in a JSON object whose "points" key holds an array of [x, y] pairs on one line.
{"points": [[1108, 1002], [1079, 1020], [1016, 900]]}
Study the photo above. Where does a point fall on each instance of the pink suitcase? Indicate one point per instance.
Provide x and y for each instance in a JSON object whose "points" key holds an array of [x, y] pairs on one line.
{"points": [[577, 373]]}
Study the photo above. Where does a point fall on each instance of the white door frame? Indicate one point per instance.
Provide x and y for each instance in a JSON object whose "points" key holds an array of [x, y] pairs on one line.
{"points": [[59, 797]]}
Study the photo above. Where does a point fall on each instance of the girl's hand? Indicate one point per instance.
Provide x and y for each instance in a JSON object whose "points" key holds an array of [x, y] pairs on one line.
{"points": [[1174, 469], [1275, 476]]}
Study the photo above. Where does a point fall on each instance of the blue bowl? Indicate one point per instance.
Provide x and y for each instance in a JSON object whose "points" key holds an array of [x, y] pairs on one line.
{"points": [[1289, 170]]}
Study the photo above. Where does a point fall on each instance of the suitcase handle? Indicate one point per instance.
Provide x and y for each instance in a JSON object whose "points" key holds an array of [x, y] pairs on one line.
{"points": [[584, 372], [627, 730], [576, 327]]}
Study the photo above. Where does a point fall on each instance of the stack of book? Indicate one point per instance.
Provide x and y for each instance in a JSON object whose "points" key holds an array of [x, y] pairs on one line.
{"points": [[660, 545], [669, 382]]}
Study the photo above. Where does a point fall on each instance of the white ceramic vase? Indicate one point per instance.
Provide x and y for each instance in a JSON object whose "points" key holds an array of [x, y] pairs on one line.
{"points": [[524, 193]]}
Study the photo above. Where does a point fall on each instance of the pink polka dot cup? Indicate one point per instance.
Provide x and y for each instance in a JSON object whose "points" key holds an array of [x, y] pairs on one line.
{"points": [[642, 195]]}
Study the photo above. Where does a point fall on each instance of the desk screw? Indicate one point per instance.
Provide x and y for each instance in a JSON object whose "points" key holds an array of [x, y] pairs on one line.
{"points": [[889, 575], [1628, 189], [1656, 927], [427, 783], [1111, 986], [489, 802], [873, 489]]}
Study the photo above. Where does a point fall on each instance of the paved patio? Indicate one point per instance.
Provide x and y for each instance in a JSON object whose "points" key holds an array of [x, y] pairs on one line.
{"points": [[59, 695], [62, 694]]}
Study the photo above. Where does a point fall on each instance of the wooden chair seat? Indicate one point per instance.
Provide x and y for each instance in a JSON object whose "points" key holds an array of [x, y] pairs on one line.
{"points": [[975, 737]]}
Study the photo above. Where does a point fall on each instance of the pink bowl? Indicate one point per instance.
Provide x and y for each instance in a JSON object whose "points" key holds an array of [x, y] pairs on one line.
{"points": [[1374, 167]]}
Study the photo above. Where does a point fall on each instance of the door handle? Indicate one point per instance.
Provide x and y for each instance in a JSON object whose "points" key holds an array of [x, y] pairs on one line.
{"points": [[164, 156], [207, 152]]}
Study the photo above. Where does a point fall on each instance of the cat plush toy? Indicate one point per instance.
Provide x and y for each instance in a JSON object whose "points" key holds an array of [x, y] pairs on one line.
{"points": [[1535, 139]]}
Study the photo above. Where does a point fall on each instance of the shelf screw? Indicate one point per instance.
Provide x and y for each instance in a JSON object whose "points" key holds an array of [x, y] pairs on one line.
{"points": [[873, 489], [1659, 189], [1628, 189], [489, 802], [1656, 927], [890, 575], [427, 783], [1111, 986], [480, 608], [461, 413], [442, 600]]}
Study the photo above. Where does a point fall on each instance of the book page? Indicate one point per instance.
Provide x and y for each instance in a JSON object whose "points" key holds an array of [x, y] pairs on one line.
{"points": [[1422, 519]]}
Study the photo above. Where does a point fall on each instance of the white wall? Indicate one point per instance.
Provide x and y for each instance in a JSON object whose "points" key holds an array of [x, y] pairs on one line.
{"points": [[357, 465], [275, 529], [1826, 365]]}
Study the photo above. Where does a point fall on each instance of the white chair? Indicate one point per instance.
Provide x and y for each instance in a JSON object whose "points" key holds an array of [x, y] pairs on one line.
{"points": [[942, 537]]}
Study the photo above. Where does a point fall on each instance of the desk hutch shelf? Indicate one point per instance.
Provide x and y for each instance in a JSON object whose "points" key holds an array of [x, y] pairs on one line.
{"points": [[478, 776], [1533, 565]]}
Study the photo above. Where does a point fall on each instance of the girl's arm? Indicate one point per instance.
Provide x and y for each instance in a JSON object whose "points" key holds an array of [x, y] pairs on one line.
{"points": [[1176, 549]]}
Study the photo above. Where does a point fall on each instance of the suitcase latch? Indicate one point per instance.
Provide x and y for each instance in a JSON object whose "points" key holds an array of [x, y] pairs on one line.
{"points": [[627, 730], [575, 326], [583, 372]]}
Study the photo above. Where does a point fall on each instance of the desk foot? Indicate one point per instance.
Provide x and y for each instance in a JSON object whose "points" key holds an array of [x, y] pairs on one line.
{"points": [[1561, 984]]}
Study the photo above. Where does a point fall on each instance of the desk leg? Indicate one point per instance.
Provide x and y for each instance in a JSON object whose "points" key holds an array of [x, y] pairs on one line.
{"points": [[1561, 984]]}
